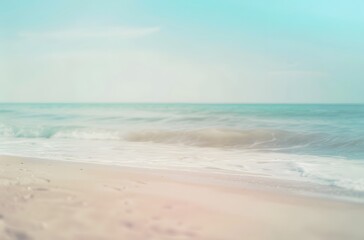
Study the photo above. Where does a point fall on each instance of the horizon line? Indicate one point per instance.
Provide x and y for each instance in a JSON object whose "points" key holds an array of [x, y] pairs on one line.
{"points": [[204, 103]]}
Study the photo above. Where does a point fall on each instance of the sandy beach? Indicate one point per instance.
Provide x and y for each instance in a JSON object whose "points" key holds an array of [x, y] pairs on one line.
{"points": [[44, 199]]}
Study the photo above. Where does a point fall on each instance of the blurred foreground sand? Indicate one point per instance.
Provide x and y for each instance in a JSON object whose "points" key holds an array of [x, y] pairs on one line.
{"points": [[51, 200]]}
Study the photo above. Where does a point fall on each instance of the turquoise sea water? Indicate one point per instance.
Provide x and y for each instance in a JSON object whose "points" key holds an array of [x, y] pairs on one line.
{"points": [[323, 144]]}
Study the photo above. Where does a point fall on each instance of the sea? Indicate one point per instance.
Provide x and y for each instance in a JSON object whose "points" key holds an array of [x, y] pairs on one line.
{"points": [[319, 144]]}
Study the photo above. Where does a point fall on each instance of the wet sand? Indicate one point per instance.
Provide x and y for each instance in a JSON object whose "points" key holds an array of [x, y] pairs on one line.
{"points": [[44, 199]]}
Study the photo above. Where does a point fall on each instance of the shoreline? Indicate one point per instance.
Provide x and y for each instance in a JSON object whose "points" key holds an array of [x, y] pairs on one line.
{"points": [[49, 199], [254, 181]]}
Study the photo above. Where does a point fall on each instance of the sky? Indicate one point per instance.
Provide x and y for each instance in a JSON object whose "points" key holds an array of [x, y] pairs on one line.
{"points": [[241, 51]]}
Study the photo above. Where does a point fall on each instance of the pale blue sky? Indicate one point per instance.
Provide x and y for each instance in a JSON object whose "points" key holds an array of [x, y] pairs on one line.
{"points": [[182, 51]]}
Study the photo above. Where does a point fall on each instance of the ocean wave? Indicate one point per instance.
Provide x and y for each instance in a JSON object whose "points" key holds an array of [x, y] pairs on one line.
{"points": [[69, 132], [256, 138], [218, 137], [27, 132], [209, 137]]}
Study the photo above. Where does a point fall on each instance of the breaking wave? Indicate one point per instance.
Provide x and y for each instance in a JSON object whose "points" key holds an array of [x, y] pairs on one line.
{"points": [[215, 137], [69, 132], [257, 138]]}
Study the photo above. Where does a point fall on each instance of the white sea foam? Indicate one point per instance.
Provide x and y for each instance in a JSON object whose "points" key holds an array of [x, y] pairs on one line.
{"points": [[88, 134]]}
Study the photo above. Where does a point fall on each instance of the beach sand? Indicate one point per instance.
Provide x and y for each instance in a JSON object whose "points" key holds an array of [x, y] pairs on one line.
{"points": [[45, 199]]}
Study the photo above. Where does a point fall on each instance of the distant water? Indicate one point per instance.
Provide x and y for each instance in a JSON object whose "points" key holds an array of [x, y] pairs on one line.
{"points": [[316, 143]]}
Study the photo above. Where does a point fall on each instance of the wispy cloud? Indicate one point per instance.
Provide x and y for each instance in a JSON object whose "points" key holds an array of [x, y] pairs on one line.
{"points": [[88, 33]]}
